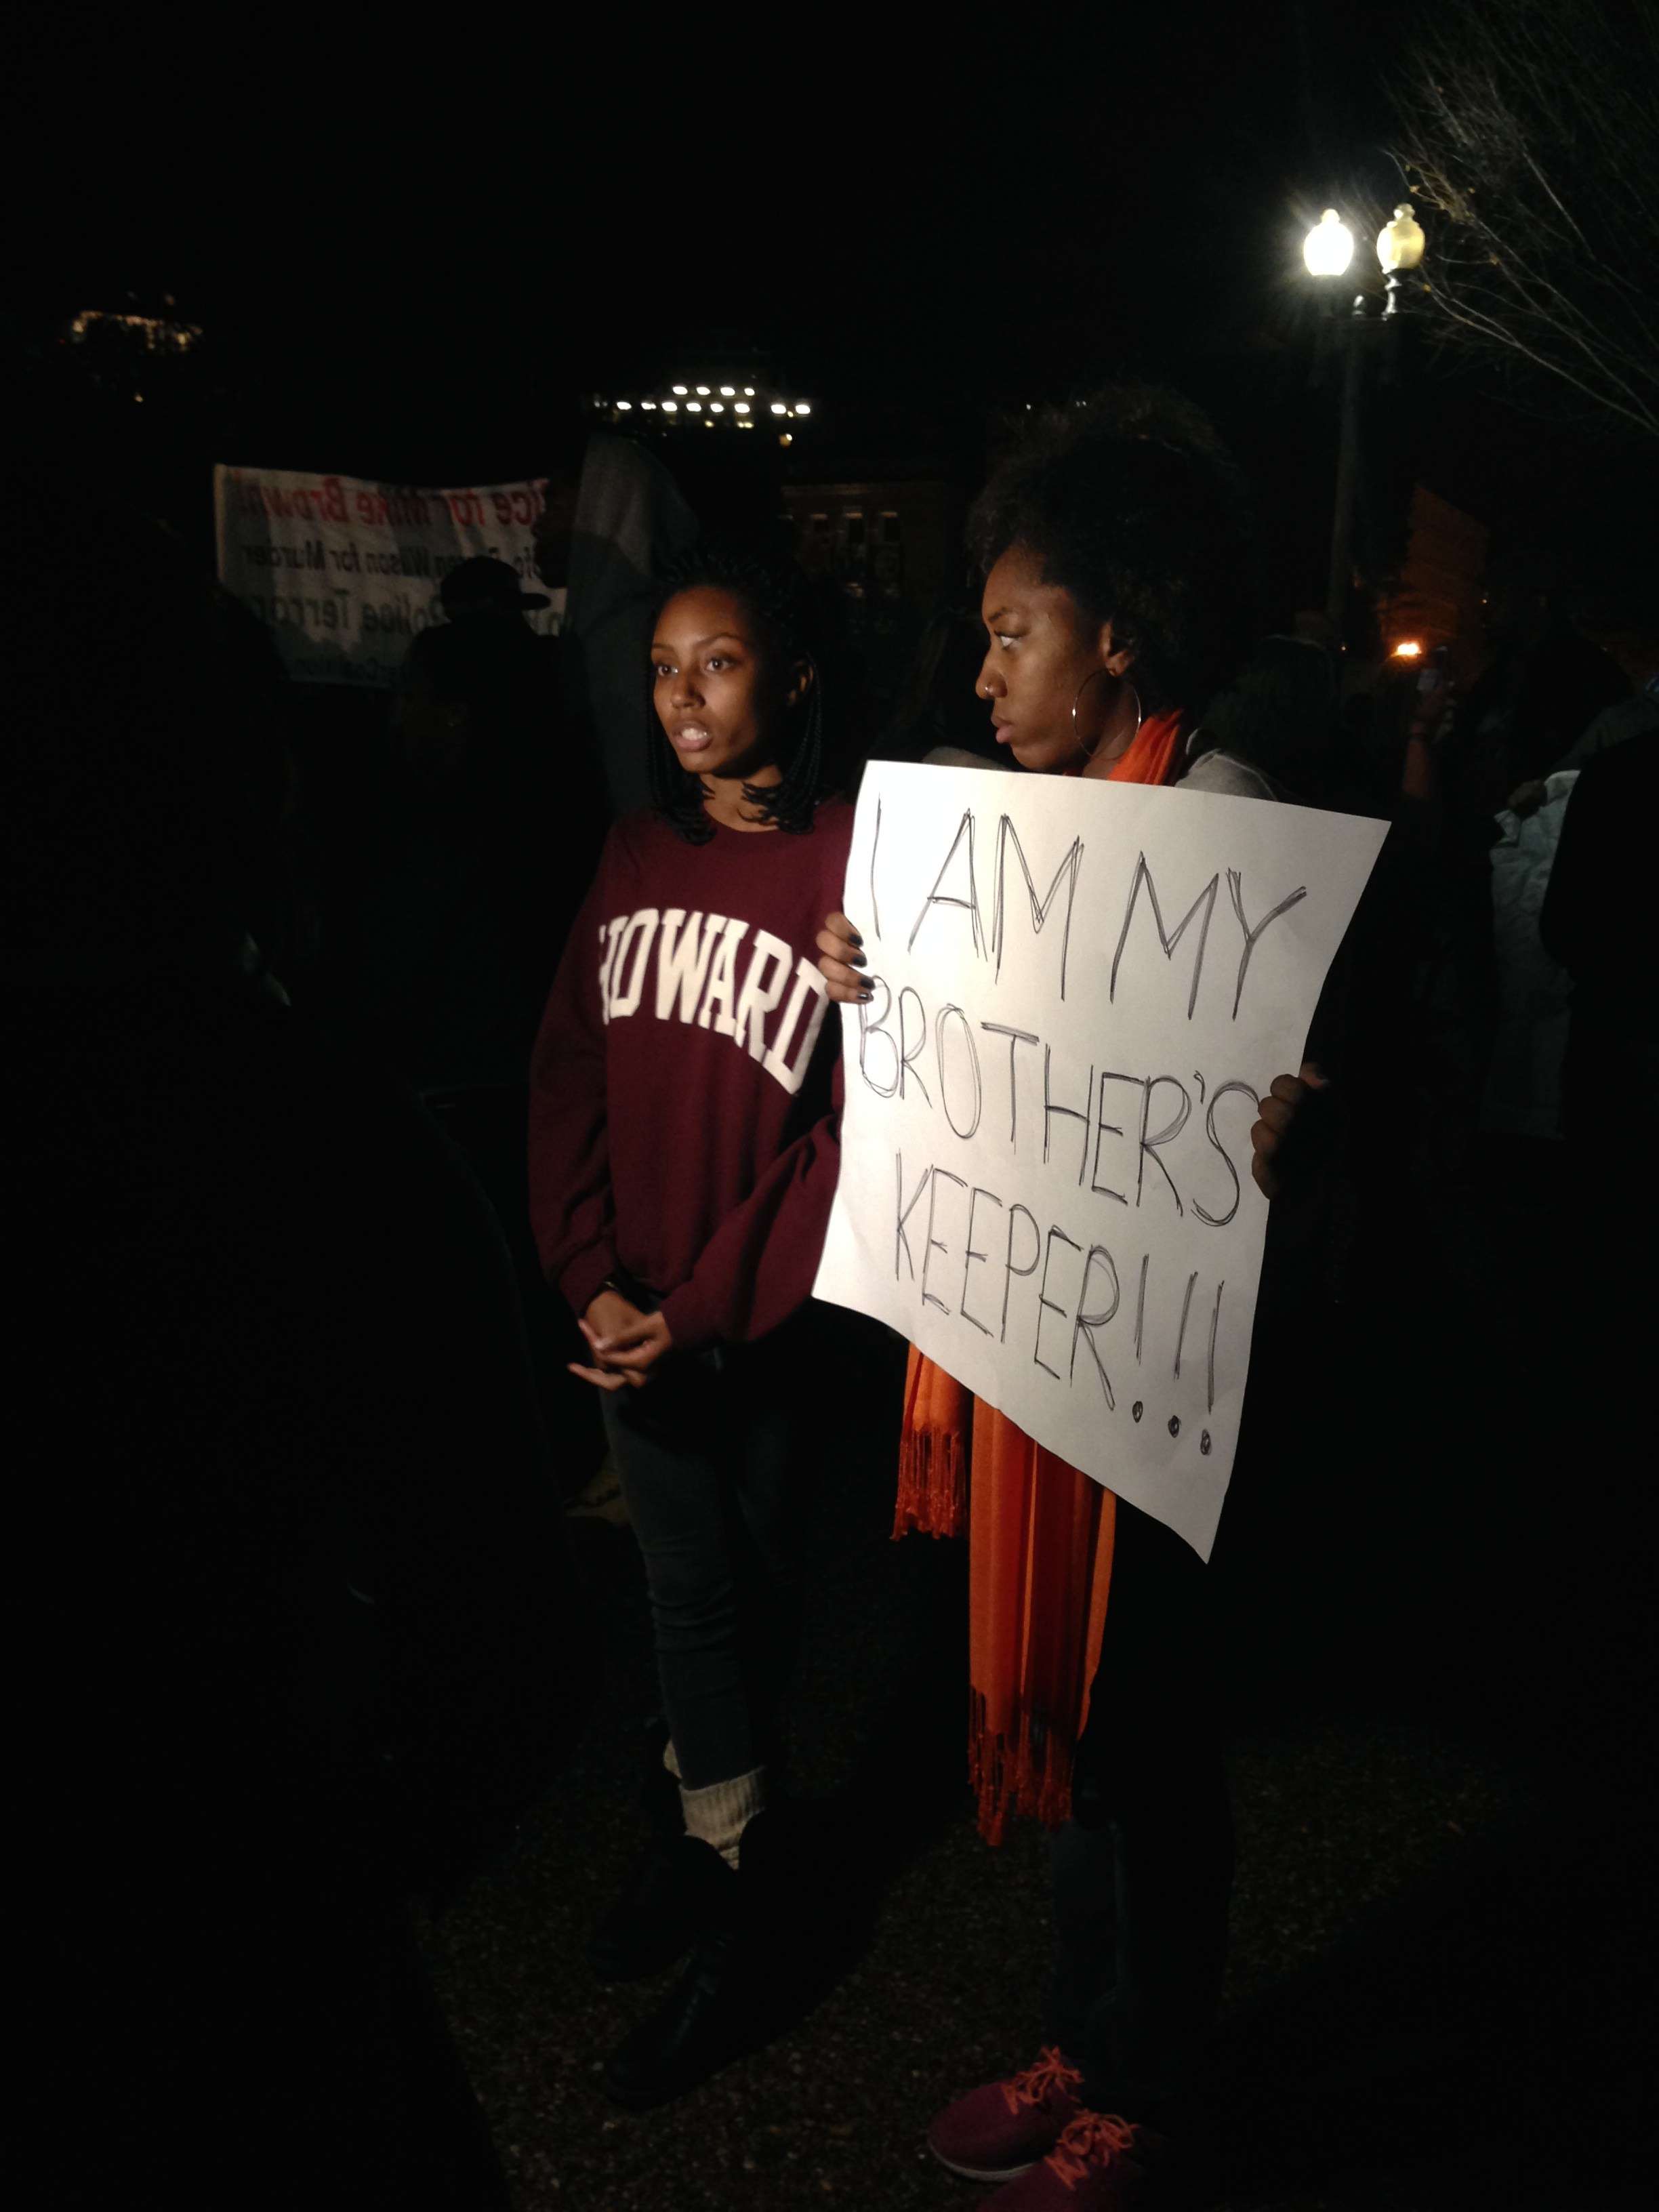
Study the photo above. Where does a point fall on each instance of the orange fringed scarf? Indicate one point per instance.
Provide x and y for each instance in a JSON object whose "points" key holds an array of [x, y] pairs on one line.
{"points": [[1040, 1542]]}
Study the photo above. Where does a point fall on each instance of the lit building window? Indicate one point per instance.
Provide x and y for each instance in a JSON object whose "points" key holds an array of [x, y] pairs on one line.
{"points": [[679, 392], [158, 335], [623, 406], [741, 407], [801, 407], [702, 392], [694, 406], [717, 407], [670, 406], [778, 407], [727, 391]]}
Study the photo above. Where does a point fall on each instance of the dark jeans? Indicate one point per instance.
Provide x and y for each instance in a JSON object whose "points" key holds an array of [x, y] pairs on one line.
{"points": [[1143, 1870], [717, 1462]]}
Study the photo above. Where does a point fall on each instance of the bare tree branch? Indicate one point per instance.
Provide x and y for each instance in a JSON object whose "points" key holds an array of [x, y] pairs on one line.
{"points": [[1529, 141]]}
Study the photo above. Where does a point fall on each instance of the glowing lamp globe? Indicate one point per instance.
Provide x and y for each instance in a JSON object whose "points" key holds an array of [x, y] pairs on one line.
{"points": [[1328, 247], [1400, 243]]}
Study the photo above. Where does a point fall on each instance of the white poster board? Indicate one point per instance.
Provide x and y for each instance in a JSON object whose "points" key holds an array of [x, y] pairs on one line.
{"points": [[1080, 991], [345, 573]]}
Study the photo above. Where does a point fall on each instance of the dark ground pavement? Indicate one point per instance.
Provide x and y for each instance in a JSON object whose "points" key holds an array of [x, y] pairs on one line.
{"points": [[1437, 1995]]}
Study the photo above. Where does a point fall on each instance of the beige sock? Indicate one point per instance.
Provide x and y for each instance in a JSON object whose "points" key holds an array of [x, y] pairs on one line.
{"points": [[718, 1814]]}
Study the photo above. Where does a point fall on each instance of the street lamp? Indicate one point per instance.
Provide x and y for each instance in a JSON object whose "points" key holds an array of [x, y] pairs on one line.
{"points": [[1327, 250], [1328, 247], [1399, 248]]}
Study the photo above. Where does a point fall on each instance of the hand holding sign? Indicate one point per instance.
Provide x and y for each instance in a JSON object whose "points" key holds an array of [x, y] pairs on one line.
{"points": [[1058, 1073], [1269, 1151], [841, 950]]}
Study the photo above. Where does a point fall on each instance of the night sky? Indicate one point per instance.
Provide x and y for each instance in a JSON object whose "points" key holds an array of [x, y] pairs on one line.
{"points": [[865, 208], [408, 256]]}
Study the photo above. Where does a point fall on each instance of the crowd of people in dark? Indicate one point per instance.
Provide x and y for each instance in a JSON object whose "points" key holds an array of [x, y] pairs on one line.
{"points": [[367, 1218]]}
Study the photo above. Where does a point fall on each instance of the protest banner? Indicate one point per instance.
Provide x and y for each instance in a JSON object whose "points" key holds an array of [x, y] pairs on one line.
{"points": [[1080, 991], [344, 573]]}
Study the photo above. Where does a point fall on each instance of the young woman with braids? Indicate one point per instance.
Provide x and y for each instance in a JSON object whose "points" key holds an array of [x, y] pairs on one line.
{"points": [[683, 1148], [1115, 556]]}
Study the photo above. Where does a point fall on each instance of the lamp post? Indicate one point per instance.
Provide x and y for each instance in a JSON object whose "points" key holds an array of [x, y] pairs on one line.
{"points": [[1399, 247], [1327, 250]]}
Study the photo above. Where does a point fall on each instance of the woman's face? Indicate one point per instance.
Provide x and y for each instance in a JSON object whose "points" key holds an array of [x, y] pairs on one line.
{"points": [[1039, 655], [719, 696]]}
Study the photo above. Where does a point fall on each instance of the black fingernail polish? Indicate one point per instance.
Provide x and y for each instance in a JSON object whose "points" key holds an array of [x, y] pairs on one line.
{"points": [[866, 995], [858, 960], [857, 940]]}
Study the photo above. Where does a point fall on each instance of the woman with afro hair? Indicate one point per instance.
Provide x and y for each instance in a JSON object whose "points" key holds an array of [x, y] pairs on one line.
{"points": [[1117, 600]]}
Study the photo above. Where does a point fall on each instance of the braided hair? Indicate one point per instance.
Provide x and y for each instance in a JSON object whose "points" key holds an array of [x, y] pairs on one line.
{"points": [[778, 596]]}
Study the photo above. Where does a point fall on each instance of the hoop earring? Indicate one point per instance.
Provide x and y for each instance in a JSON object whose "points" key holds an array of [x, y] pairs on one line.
{"points": [[1089, 751]]}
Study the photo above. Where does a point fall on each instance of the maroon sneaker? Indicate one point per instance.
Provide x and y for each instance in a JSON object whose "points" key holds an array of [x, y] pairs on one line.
{"points": [[1100, 2164], [1001, 2131]]}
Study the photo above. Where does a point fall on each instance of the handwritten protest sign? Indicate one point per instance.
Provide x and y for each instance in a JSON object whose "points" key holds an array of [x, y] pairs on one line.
{"points": [[1080, 992], [344, 573]]}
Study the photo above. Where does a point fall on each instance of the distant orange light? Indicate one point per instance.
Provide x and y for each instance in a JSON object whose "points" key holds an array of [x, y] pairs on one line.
{"points": [[1408, 649]]}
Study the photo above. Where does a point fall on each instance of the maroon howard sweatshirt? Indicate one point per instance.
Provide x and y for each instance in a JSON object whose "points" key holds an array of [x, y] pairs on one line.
{"points": [[685, 1088]]}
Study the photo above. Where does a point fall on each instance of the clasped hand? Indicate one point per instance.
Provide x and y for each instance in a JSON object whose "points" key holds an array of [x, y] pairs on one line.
{"points": [[626, 1344]]}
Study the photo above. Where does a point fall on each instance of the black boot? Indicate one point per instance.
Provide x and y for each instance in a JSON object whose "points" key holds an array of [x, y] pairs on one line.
{"points": [[657, 1915], [721, 2006]]}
